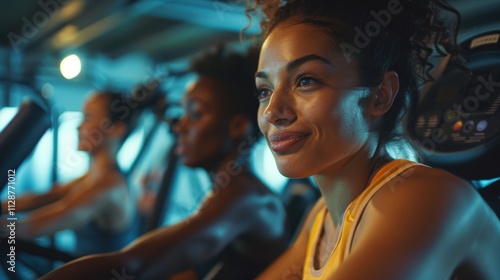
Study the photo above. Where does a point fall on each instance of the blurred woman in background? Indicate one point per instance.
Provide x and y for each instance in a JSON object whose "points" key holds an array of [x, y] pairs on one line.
{"points": [[97, 206], [240, 226]]}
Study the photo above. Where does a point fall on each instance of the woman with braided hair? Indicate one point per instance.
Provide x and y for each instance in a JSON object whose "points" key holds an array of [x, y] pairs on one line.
{"points": [[334, 80]]}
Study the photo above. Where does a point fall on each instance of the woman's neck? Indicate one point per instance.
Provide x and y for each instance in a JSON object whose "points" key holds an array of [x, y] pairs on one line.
{"points": [[348, 179], [234, 164], [102, 162]]}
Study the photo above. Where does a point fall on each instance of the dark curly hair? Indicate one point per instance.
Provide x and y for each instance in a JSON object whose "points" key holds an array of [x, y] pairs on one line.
{"points": [[403, 42], [122, 108], [235, 73]]}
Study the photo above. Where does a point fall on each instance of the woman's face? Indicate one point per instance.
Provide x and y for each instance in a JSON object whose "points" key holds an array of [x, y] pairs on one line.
{"points": [[96, 127], [311, 106], [203, 129]]}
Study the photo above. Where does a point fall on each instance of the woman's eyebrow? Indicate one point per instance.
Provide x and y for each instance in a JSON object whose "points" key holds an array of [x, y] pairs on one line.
{"points": [[294, 64], [195, 101], [261, 74]]}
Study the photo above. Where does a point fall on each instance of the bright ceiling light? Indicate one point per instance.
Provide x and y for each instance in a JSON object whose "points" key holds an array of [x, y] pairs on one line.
{"points": [[71, 66]]}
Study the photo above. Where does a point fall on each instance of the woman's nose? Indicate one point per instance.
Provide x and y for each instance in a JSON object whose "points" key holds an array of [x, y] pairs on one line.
{"points": [[180, 125], [280, 110]]}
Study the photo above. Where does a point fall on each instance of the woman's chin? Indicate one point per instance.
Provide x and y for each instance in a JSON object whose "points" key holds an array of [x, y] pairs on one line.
{"points": [[188, 162], [292, 172], [84, 147]]}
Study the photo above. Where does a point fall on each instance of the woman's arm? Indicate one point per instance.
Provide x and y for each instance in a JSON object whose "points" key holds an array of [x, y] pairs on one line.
{"points": [[76, 208], [168, 250], [291, 262], [34, 201]]}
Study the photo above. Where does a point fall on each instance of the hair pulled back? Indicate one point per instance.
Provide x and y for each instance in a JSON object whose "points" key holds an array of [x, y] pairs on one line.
{"points": [[380, 36]]}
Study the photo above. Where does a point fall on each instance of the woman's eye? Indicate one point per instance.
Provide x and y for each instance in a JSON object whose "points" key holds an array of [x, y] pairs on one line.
{"points": [[306, 81], [193, 111], [194, 115], [262, 93]]}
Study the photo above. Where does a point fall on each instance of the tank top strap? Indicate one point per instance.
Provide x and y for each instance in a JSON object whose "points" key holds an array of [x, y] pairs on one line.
{"points": [[386, 174], [314, 235]]}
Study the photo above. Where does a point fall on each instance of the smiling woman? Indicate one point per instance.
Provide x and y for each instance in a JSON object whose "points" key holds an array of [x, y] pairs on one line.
{"points": [[330, 107], [325, 86]]}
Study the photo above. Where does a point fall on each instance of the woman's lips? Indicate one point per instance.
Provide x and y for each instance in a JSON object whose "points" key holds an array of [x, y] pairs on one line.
{"points": [[282, 142], [180, 149]]}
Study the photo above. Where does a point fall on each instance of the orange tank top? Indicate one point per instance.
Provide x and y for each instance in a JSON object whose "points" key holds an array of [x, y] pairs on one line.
{"points": [[350, 222]]}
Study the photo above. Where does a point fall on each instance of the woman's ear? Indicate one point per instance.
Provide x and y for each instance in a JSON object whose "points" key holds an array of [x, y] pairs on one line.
{"points": [[239, 126], [385, 94]]}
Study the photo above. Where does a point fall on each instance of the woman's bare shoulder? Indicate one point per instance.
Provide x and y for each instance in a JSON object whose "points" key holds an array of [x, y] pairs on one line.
{"points": [[436, 205], [422, 182], [105, 185], [109, 180], [425, 214]]}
